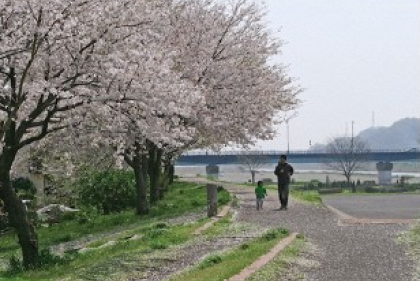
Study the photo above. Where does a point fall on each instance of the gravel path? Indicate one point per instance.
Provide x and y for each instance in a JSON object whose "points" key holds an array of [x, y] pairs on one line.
{"points": [[189, 254], [344, 252], [337, 252]]}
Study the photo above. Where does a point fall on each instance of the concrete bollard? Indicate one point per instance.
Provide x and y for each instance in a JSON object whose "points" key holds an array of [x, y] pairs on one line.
{"points": [[211, 200], [212, 171]]}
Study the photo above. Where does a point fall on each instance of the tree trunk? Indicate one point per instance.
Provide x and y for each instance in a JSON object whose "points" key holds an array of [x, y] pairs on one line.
{"points": [[171, 172], [140, 171], [17, 214], [155, 171], [253, 177], [348, 177], [166, 177], [139, 162]]}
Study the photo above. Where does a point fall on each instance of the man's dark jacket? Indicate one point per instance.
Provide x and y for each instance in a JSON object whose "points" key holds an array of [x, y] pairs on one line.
{"points": [[283, 172]]}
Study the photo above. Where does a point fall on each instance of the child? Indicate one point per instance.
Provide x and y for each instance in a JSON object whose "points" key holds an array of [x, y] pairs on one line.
{"points": [[260, 193]]}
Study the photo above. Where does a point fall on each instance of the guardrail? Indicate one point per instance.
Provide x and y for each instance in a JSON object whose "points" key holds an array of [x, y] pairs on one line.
{"points": [[280, 152], [233, 157]]}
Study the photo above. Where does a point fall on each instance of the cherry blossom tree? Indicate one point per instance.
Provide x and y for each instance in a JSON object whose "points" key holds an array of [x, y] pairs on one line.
{"points": [[56, 57], [226, 47], [149, 78]]}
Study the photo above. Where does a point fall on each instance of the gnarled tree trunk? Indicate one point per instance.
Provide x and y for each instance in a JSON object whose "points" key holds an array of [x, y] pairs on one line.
{"points": [[138, 161], [17, 214]]}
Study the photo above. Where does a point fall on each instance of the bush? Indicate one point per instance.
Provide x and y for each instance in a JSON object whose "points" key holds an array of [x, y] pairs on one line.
{"points": [[371, 189], [210, 261], [267, 180], [274, 233], [160, 225], [330, 190], [46, 260], [68, 216], [4, 222], [24, 187], [107, 191], [15, 265]]}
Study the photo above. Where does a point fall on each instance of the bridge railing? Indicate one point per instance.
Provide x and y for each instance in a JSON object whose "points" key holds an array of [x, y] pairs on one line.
{"points": [[278, 152]]}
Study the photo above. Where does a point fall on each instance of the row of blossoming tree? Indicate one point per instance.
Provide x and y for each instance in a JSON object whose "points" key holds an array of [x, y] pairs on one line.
{"points": [[145, 79]]}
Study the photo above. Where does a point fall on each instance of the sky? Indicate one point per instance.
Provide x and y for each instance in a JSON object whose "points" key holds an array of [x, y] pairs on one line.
{"points": [[358, 62]]}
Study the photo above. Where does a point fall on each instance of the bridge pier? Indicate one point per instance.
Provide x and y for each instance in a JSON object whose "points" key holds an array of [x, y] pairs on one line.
{"points": [[384, 172]]}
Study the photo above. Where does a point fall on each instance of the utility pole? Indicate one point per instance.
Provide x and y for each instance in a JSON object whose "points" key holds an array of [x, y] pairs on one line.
{"points": [[352, 136], [286, 120]]}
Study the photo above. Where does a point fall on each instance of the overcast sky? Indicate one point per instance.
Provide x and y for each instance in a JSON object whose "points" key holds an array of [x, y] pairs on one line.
{"points": [[353, 58]]}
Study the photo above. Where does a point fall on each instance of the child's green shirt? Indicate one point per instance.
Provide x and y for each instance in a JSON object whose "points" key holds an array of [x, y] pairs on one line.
{"points": [[260, 192]]}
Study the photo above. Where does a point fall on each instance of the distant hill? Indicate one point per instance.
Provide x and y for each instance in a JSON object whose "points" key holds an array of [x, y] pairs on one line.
{"points": [[403, 134]]}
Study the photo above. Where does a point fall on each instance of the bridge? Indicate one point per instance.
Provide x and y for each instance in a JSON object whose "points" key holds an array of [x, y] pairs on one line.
{"points": [[234, 157]]}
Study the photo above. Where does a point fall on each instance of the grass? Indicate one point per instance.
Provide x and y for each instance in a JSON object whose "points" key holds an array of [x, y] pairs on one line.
{"points": [[117, 259], [309, 196], [223, 266], [181, 199], [219, 226], [277, 268], [412, 239]]}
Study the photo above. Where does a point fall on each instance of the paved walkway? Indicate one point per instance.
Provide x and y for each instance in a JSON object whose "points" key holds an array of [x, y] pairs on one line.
{"points": [[391, 206], [363, 252]]}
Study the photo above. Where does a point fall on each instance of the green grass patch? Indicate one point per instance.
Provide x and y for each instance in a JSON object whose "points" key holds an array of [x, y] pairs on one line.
{"points": [[223, 266], [412, 239], [276, 269], [310, 196], [181, 199], [100, 264], [219, 226]]}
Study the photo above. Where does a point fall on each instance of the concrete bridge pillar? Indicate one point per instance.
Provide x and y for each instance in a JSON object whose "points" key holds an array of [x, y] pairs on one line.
{"points": [[384, 172]]}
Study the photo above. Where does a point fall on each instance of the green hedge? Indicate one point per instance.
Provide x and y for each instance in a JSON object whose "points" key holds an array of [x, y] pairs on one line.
{"points": [[108, 191]]}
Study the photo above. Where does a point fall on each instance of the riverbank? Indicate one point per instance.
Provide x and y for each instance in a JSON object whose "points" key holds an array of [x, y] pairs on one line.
{"points": [[303, 172]]}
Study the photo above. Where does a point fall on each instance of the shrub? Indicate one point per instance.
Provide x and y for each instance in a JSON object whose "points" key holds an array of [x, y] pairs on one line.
{"points": [[24, 187], [15, 265], [371, 189], [195, 203], [161, 225], [330, 190], [210, 261], [68, 216], [267, 180], [46, 260], [274, 233], [4, 222], [107, 191]]}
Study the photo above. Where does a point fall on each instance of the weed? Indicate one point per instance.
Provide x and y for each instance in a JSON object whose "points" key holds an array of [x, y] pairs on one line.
{"points": [[210, 261]]}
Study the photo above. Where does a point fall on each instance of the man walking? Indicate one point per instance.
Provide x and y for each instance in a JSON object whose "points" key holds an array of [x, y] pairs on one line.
{"points": [[283, 172]]}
